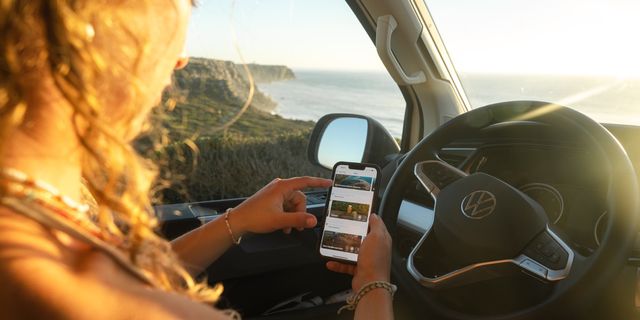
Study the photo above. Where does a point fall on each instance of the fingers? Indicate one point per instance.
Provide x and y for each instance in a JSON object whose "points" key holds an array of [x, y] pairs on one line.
{"points": [[374, 221], [299, 220], [341, 267], [376, 225], [298, 201], [378, 232], [304, 182]]}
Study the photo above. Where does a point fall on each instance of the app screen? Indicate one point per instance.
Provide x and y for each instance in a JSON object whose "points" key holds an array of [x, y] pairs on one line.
{"points": [[348, 212]]}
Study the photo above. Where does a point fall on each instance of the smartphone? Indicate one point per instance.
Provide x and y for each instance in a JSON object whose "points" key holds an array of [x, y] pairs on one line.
{"points": [[350, 202]]}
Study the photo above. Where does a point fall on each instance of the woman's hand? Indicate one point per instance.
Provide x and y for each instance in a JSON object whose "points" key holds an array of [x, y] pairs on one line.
{"points": [[374, 258], [279, 205]]}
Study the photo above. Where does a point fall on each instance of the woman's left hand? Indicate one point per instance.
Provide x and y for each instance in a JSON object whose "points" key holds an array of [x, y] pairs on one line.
{"points": [[279, 205]]}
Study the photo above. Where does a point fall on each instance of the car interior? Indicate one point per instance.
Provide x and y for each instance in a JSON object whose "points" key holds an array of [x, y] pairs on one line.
{"points": [[558, 241]]}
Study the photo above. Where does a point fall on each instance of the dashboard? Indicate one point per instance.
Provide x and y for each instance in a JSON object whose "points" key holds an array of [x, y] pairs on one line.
{"points": [[566, 181]]}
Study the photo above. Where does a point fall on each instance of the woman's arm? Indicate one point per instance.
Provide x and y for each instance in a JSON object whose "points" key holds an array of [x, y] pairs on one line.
{"points": [[376, 304], [374, 264], [48, 274], [200, 247], [280, 205]]}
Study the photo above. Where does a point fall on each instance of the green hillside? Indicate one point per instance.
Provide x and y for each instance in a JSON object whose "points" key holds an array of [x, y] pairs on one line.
{"points": [[235, 162], [211, 92]]}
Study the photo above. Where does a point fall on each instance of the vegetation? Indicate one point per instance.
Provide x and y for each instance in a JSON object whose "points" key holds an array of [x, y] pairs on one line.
{"points": [[201, 162], [230, 165]]}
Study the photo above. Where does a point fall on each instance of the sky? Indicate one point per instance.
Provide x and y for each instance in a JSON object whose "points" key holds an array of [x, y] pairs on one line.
{"points": [[541, 36], [319, 34], [498, 36]]}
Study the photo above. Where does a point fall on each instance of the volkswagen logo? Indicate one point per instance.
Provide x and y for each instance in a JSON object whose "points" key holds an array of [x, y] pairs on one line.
{"points": [[478, 204]]}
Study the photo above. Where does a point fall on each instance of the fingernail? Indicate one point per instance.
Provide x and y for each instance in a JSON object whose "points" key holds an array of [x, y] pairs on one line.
{"points": [[311, 222]]}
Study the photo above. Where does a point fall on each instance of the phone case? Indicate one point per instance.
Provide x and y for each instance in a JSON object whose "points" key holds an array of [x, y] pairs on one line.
{"points": [[374, 204]]}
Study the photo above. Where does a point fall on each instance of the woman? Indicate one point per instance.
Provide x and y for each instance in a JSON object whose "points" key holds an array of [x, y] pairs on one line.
{"points": [[77, 81]]}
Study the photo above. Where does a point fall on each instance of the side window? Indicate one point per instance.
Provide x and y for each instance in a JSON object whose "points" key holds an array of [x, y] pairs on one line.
{"points": [[307, 59]]}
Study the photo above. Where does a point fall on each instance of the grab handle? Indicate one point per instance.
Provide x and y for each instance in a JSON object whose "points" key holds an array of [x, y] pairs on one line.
{"points": [[386, 25]]}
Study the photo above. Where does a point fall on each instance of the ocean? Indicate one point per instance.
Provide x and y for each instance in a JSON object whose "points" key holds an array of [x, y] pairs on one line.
{"points": [[315, 93], [605, 99]]}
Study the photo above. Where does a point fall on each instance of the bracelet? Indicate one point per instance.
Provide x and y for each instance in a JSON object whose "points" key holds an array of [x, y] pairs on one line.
{"points": [[352, 301], [226, 221]]}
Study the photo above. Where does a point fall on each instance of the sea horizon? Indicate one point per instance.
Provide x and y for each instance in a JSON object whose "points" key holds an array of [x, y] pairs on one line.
{"points": [[314, 93]]}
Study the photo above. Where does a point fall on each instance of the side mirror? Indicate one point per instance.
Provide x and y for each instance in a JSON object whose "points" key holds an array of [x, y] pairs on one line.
{"points": [[349, 137]]}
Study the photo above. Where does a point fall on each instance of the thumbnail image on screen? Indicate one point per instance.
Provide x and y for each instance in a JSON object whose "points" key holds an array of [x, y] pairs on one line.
{"points": [[353, 182], [341, 241], [349, 210]]}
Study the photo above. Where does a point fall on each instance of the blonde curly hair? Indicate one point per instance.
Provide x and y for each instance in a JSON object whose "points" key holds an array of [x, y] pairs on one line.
{"points": [[56, 39]]}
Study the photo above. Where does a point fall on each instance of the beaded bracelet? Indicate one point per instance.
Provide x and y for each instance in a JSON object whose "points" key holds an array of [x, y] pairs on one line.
{"points": [[352, 301], [226, 221]]}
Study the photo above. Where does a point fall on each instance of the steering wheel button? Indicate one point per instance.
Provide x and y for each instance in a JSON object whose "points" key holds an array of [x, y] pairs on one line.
{"points": [[548, 250], [534, 268], [436, 175]]}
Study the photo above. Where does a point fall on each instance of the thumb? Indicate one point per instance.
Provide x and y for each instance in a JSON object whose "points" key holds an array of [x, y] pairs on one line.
{"points": [[374, 223], [297, 220]]}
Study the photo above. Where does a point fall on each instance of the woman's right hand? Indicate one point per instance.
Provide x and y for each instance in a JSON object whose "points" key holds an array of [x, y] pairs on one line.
{"points": [[374, 258]]}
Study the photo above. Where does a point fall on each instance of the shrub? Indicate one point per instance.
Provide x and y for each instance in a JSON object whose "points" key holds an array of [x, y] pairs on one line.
{"points": [[233, 165]]}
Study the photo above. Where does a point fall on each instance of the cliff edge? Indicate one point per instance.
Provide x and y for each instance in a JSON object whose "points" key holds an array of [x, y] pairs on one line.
{"points": [[226, 82]]}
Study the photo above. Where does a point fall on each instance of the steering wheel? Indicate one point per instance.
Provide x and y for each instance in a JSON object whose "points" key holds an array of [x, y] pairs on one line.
{"points": [[487, 229]]}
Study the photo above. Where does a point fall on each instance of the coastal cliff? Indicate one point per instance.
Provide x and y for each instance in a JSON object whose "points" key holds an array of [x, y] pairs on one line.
{"points": [[259, 146], [226, 82], [268, 73], [209, 93], [218, 164]]}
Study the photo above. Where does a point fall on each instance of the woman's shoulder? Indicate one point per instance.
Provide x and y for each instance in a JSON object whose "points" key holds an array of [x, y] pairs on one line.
{"points": [[48, 274]]}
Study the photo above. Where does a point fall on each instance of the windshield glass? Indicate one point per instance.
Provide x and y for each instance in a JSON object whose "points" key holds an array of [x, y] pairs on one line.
{"points": [[578, 53]]}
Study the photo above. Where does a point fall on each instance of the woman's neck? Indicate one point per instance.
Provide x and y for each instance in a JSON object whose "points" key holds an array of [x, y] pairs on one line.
{"points": [[63, 173], [45, 146]]}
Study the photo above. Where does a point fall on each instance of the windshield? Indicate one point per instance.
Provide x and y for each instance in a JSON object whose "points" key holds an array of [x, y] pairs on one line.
{"points": [[578, 53]]}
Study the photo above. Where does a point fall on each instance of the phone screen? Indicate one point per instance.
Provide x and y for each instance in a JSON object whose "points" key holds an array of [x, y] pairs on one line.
{"points": [[348, 212]]}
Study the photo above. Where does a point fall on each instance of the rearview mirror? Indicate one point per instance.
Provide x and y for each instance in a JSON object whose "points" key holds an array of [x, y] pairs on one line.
{"points": [[352, 138]]}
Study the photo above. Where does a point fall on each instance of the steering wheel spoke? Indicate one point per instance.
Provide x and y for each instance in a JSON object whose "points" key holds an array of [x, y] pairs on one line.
{"points": [[436, 175], [459, 277], [547, 257]]}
